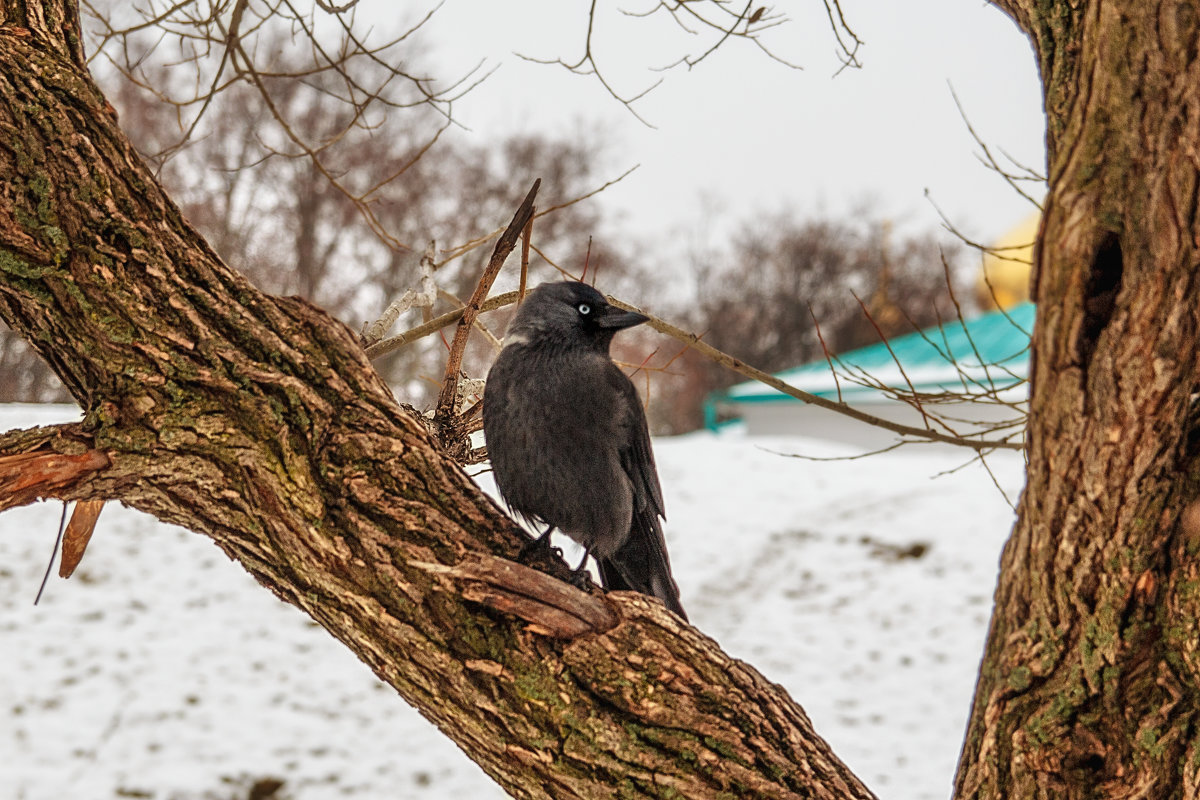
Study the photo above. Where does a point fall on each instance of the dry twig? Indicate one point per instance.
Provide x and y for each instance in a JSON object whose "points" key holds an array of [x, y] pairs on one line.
{"points": [[444, 412]]}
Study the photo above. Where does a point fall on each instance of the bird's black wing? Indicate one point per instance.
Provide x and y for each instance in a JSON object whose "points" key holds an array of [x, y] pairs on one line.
{"points": [[641, 564]]}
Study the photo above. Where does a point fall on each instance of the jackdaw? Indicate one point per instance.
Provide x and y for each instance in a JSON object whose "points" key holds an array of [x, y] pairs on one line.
{"points": [[568, 439]]}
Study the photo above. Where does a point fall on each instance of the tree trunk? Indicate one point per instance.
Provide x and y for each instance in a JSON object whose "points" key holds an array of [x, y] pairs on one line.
{"points": [[258, 421], [1089, 684]]}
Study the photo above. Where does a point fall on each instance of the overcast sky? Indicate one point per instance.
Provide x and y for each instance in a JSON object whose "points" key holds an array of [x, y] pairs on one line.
{"points": [[741, 135]]}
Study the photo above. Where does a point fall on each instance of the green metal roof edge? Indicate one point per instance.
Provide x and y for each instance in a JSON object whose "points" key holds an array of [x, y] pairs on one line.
{"points": [[773, 396], [1016, 320]]}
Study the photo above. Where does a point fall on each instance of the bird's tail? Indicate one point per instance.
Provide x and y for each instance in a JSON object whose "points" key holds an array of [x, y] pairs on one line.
{"points": [[641, 565]]}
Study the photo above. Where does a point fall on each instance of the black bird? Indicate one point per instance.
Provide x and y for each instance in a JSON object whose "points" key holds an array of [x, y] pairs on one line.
{"points": [[568, 439]]}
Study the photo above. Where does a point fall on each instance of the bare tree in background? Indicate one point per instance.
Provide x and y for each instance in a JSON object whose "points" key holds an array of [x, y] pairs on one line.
{"points": [[278, 170], [813, 269], [762, 299]]}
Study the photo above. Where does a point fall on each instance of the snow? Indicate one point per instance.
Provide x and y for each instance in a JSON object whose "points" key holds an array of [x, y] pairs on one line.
{"points": [[163, 671]]}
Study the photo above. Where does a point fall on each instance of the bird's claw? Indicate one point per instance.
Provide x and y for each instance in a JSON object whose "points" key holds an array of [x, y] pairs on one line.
{"points": [[580, 578], [538, 549]]}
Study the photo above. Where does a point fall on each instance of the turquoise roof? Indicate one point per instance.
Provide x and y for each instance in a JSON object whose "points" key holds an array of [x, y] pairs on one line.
{"points": [[990, 351]]}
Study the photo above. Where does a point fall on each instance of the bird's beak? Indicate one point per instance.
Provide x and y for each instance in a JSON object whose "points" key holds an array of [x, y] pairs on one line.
{"points": [[617, 319]]}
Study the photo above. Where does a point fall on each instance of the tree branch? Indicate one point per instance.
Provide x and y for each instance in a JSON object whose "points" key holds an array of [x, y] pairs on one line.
{"points": [[258, 422], [508, 240]]}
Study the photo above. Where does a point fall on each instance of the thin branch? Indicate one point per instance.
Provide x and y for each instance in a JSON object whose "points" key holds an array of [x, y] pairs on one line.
{"points": [[990, 162], [754, 373], [838, 24], [711, 18], [62, 524], [880, 451], [825, 351], [995, 252], [972, 441], [463, 249], [895, 359], [508, 240], [422, 298], [434, 325]]}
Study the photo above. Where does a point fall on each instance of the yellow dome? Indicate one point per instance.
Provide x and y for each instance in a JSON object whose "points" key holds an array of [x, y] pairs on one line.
{"points": [[1004, 279]]}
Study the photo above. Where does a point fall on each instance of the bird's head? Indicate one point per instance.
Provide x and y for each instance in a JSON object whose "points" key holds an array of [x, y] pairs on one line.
{"points": [[570, 314]]}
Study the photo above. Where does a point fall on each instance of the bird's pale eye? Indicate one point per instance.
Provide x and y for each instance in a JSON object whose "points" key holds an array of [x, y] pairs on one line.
{"points": [[584, 309]]}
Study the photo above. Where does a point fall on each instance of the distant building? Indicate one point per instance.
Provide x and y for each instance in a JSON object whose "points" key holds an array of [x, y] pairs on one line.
{"points": [[987, 357], [1004, 278]]}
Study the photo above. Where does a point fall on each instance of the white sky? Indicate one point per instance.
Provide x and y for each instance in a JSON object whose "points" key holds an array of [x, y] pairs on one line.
{"points": [[741, 135]]}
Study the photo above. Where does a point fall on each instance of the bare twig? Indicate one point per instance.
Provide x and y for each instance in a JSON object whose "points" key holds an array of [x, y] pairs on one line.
{"points": [[479, 241], [394, 343], [989, 161], [982, 459], [825, 351], [710, 352], [877, 452], [508, 240], [422, 298], [850, 44], [713, 23], [587, 65], [62, 524], [895, 360]]}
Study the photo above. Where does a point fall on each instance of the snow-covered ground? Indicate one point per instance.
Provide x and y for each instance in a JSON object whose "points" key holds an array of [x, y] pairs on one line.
{"points": [[163, 671]]}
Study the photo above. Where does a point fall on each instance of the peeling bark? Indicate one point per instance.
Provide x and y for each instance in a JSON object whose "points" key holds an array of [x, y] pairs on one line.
{"points": [[259, 422]]}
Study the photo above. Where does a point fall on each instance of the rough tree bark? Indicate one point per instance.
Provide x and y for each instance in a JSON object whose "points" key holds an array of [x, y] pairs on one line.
{"points": [[258, 421], [1089, 684]]}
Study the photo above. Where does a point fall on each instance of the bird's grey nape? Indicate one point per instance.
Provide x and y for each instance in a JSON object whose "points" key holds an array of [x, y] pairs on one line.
{"points": [[515, 338]]}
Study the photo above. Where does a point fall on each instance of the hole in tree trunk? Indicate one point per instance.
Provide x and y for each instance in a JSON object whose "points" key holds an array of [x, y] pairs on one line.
{"points": [[1100, 294]]}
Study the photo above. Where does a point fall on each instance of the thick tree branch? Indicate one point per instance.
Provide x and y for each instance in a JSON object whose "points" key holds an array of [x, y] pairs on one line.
{"points": [[54, 22], [259, 422]]}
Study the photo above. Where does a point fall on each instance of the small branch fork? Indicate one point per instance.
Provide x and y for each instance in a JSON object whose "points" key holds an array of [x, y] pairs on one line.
{"points": [[445, 410]]}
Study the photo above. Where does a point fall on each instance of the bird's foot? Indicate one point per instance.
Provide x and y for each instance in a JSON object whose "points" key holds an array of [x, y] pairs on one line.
{"points": [[540, 554], [580, 578], [538, 549]]}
